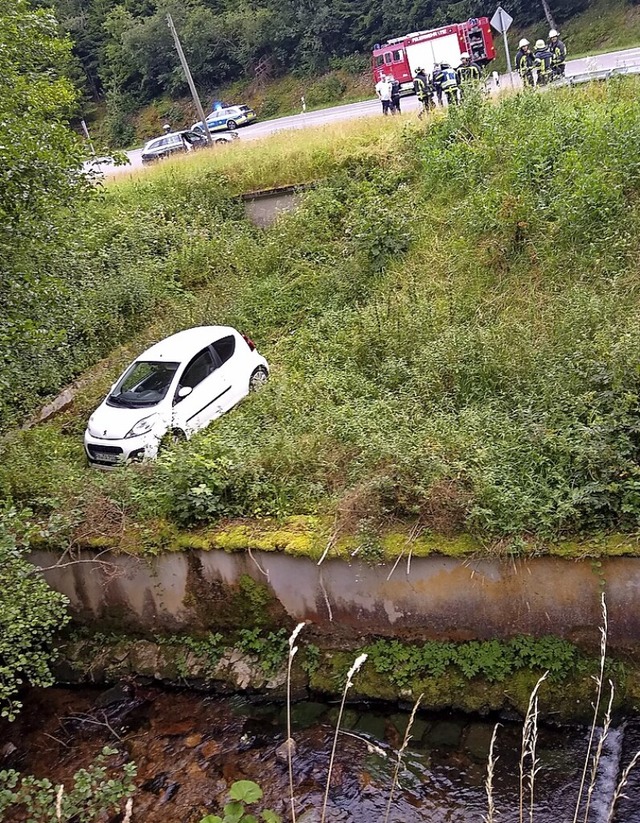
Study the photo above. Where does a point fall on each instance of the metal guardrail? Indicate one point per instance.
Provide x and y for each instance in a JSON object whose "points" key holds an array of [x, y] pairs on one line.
{"points": [[602, 74]]}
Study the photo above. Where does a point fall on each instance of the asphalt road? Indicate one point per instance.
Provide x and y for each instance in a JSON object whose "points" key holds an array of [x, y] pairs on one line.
{"points": [[369, 108]]}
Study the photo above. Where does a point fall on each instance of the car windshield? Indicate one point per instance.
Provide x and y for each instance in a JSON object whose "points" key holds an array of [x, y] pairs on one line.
{"points": [[145, 383]]}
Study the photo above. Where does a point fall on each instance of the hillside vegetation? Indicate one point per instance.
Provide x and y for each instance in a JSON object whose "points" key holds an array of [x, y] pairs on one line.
{"points": [[451, 317], [126, 59]]}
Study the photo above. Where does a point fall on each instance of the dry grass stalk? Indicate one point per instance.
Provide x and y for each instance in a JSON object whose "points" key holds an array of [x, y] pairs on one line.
{"points": [[293, 649], [529, 738], [534, 768], [405, 743], [357, 665], [59, 795], [599, 679], [491, 814], [598, 753], [621, 785]]}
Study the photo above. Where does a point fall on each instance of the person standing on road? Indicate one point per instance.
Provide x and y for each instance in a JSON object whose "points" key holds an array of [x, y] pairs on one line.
{"points": [[383, 90], [447, 81], [467, 74], [424, 91], [543, 60], [395, 96], [559, 52], [436, 82], [525, 63]]}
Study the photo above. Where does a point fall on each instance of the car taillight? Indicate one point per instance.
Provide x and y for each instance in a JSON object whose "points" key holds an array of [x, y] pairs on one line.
{"points": [[249, 342]]}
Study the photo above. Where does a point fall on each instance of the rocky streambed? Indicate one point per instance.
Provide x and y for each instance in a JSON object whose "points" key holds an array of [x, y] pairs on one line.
{"points": [[189, 748]]}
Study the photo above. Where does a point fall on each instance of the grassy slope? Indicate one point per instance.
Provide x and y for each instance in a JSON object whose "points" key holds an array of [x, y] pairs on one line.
{"points": [[452, 320]]}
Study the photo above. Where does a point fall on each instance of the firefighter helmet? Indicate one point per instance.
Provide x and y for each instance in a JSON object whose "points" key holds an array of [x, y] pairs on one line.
{"points": [[444, 66], [464, 55], [524, 42], [553, 33], [540, 44]]}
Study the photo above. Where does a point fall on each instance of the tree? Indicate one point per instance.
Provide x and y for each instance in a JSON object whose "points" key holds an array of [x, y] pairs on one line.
{"points": [[40, 174], [31, 614]]}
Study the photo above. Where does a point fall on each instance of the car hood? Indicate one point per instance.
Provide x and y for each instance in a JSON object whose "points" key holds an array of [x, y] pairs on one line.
{"points": [[113, 423]]}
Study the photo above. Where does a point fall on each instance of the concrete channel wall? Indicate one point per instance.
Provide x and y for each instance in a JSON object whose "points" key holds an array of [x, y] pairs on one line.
{"points": [[440, 597]]}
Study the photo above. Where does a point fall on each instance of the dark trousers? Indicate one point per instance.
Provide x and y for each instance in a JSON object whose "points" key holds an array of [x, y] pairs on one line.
{"points": [[387, 106], [395, 103]]}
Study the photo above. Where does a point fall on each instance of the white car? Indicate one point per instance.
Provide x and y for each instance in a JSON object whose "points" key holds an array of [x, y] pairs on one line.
{"points": [[172, 390]]}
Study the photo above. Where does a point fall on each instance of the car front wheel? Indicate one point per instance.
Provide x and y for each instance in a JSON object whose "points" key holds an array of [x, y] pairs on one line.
{"points": [[258, 378]]}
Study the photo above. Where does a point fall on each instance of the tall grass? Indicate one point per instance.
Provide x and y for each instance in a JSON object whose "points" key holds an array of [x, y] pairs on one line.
{"points": [[451, 319]]}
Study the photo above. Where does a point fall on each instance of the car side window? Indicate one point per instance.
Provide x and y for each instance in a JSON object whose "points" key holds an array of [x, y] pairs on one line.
{"points": [[198, 369], [225, 347]]}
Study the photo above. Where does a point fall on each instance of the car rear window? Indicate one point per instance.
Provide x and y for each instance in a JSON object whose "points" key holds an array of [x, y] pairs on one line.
{"points": [[225, 347]]}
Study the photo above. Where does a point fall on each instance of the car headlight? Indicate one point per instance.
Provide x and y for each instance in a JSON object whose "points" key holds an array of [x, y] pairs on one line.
{"points": [[143, 426]]}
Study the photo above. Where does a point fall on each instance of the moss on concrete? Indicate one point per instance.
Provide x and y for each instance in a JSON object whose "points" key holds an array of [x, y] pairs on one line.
{"points": [[309, 535]]}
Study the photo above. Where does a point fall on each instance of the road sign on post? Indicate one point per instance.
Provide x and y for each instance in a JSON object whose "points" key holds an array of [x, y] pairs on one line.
{"points": [[501, 21]]}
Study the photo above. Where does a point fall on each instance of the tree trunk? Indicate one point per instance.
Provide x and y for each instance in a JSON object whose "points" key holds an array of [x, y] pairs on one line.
{"points": [[548, 14]]}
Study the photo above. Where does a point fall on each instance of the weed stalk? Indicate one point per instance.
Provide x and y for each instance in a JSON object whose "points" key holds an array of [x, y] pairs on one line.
{"points": [[405, 743], [357, 665], [293, 649]]}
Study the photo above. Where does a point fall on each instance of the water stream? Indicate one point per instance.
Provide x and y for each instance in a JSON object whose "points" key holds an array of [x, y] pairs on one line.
{"points": [[190, 747]]}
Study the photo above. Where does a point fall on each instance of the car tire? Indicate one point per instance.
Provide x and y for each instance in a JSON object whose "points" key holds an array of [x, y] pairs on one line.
{"points": [[232, 125], [258, 379], [171, 438], [220, 140]]}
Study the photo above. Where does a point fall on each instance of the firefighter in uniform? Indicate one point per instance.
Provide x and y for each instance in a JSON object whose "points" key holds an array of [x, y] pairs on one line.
{"points": [[446, 80], [559, 52], [467, 74], [424, 91], [544, 62], [435, 82], [525, 63]]}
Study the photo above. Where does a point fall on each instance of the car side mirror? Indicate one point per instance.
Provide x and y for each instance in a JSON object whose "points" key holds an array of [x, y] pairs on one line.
{"points": [[184, 391]]}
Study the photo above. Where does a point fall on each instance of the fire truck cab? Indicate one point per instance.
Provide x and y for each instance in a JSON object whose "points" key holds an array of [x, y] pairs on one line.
{"points": [[401, 56]]}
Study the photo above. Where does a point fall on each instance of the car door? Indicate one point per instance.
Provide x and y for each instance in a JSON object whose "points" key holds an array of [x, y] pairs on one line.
{"points": [[207, 383], [232, 370]]}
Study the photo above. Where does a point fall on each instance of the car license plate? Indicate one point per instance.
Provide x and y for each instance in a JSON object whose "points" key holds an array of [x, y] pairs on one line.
{"points": [[107, 457]]}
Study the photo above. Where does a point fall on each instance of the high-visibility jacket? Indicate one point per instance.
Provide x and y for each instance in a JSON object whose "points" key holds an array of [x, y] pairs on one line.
{"points": [[467, 74], [559, 52], [525, 63], [543, 60], [446, 79], [422, 86]]}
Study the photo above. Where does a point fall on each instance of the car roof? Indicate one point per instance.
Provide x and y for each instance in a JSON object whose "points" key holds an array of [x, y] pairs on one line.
{"points": [[185, 344], [170, 134]]}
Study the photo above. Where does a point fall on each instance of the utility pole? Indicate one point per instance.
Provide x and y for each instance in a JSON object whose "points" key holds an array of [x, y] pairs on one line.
{"points": [[192, 88]]}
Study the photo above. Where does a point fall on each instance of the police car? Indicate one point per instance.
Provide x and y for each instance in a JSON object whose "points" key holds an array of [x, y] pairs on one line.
{"points": [[227, 119]]}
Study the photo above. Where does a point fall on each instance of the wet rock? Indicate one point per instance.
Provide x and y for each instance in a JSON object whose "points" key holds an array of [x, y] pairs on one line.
{"points": [[169, 793], [117, 694], [349, 718], [418, 729], [286, 749], [445, 734], [7, 750], [372, 725], [478, 740], [306, 713], [179, 728], [209, 749], [143, 658], [155, 784]]}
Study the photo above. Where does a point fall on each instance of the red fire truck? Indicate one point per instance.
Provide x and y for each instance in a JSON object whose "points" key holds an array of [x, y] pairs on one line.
{"points": [[401, 56]]}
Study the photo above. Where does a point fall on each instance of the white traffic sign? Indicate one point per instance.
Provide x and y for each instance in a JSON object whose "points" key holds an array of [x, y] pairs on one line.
{"points": [[501, 20]]}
